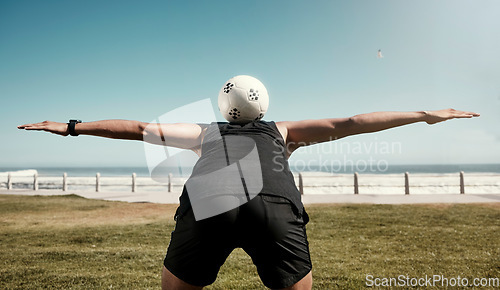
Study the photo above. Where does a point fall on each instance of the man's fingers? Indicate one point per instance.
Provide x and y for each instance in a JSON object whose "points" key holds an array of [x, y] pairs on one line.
{"points": [[469, 113], [466, 115], [37, 126], [458, 113]]}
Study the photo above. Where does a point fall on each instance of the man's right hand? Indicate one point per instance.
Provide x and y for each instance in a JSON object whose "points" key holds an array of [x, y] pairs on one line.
{"points": [[48, 126]]}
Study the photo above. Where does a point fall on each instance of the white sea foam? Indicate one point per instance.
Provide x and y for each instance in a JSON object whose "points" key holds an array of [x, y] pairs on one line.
{"points": [[27, 172]]}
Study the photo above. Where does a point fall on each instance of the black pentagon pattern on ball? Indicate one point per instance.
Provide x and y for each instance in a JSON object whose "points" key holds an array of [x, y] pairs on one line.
{"points": [[253, 95], [234, 113], [228, 87]]}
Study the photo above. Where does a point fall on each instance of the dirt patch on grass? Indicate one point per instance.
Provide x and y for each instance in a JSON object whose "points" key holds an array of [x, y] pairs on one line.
{"points": [[493, 205], [63, 211], [117, 213]]}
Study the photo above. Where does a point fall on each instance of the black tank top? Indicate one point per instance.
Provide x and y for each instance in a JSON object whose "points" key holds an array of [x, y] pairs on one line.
{"points": [[255, 147]]}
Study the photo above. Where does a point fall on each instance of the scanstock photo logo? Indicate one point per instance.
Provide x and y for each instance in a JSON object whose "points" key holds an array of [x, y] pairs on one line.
{"points": [[231, 177]]}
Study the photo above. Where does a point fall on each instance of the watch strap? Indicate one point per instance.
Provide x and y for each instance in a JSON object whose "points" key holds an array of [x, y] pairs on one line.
{"points": [[71, 127]]}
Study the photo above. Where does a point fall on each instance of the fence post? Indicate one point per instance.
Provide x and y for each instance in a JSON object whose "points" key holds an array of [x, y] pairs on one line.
{"points": [[462, 183], [9, 181], [170, 182], [35, 181], [65, 181], [356, 184], [97, 185], [133, 182], [407, 183], [301, 184]]}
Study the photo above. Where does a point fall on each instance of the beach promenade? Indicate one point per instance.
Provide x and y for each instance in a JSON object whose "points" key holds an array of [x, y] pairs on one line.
{"points": [[173, 197]]}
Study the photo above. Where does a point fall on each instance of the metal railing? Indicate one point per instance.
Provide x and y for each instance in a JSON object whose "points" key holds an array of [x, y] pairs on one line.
{"points": [[133, 182]]}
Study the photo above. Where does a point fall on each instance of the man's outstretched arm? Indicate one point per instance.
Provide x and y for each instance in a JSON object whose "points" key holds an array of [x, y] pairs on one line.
{"points": [[116, 129], [307, 132], [180, 135]]}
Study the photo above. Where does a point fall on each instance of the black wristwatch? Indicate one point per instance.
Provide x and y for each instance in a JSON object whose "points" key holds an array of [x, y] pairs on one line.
{"points": [[71, 127]]}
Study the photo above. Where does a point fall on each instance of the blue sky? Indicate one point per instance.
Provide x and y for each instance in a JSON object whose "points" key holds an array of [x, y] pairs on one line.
{"points": [[95, 60]]}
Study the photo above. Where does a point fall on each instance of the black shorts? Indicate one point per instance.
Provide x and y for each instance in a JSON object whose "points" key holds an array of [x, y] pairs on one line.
{"points": [[268, 228]]}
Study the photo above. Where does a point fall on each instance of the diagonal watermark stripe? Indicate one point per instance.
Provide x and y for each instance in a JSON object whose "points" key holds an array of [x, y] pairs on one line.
{"points": [[163, 159], [213, 191], [227, 175]]}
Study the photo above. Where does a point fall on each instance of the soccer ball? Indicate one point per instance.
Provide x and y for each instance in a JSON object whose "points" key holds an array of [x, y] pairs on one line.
{"points": [[243, 99]]}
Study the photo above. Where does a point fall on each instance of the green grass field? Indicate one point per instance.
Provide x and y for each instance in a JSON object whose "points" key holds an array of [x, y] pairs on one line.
{"points": [[70, 242]]}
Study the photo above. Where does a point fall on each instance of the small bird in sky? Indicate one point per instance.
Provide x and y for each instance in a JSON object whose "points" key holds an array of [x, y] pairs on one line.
{"points": [[379, 54]]}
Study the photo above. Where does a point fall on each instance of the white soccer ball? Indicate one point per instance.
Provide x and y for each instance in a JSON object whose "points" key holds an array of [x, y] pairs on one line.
{"points": [[243, 99]]}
